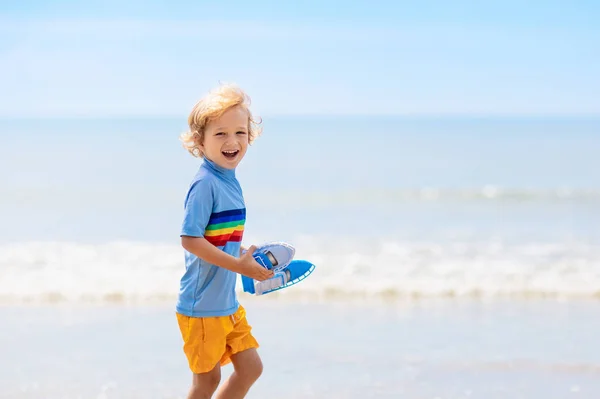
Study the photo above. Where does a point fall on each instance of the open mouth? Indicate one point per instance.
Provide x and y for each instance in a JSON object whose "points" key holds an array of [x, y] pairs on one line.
{"points": [[230, 154]]}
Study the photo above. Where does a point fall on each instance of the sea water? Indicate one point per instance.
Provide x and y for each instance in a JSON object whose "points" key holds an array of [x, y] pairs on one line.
{"points": [[456, 257], [91, 209]]}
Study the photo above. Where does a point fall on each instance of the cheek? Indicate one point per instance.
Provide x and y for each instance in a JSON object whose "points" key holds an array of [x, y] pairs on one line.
{"points": [[209, 143]]}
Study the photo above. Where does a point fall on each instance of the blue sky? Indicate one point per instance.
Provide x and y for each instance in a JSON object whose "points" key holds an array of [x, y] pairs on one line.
{"points": [[73, 58]]}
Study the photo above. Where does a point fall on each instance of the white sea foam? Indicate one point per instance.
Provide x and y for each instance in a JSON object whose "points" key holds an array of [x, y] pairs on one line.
{"points": [[138, 272]]}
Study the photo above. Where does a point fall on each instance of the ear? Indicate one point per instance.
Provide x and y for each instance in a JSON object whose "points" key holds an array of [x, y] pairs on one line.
{"points": [[200, 141]]}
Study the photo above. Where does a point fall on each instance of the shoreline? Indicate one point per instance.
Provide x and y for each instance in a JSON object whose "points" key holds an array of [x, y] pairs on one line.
{"points": [[275, 299], [419, 349]]}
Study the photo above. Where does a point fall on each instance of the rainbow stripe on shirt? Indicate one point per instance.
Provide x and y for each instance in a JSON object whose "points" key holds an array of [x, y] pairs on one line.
{"points": [[226, 226]]}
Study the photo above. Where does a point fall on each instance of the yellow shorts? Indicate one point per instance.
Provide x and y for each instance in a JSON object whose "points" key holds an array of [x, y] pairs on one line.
{"points": [[211, 340]]}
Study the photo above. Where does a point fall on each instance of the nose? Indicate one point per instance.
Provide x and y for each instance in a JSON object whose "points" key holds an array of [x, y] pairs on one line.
{"points": [[230, 139]]}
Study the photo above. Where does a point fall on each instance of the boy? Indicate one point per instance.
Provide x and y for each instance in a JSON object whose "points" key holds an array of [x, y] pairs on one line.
{"points": [[213, 324]]}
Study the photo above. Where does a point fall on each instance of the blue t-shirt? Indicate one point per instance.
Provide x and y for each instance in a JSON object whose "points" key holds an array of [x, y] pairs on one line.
{"points": [[215, 210]]}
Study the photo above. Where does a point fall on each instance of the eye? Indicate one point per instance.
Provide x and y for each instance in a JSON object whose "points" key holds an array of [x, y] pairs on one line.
{"points": [[241, 132], [219, 134]]}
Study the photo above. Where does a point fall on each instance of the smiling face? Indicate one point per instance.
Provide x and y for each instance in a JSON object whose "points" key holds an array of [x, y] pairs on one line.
{"points": [[226, 138]]}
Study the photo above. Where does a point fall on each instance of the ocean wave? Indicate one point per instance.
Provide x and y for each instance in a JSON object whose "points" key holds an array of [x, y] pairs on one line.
{"points": [[489, 193], [328, 196], [138, 272]]}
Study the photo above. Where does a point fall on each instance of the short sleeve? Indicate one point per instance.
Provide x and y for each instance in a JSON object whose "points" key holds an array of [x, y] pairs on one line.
{"points": [[197, 208]]}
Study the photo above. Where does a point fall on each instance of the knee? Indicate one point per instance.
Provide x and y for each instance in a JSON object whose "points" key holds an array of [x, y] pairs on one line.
{"points": [[252, 373], [212, 382], [205, 385], [257, 370]]}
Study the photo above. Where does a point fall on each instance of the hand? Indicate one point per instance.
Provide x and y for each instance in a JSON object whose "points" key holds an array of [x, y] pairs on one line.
{"points": [[250, 268]]}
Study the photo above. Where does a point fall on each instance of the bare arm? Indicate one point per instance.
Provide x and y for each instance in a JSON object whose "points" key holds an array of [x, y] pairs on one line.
{"points": [[245, 264], [203, 249]]}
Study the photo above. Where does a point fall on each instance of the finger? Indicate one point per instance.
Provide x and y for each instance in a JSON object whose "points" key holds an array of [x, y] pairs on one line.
{"points": [[251, 249]]}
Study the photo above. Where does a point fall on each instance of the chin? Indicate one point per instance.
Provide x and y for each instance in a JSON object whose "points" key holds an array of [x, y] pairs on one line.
{"points": [[229, 164]]}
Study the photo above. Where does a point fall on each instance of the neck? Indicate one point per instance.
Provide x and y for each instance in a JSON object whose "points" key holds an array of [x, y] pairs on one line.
{"points": [[218, 169]]}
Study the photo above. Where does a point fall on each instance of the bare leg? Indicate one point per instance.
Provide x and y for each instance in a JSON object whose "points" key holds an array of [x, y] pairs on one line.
{"points": [[247, 367], [204, 385]]}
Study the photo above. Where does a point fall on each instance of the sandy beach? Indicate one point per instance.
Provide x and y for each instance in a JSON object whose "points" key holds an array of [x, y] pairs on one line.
{"points": [[420, 349]]}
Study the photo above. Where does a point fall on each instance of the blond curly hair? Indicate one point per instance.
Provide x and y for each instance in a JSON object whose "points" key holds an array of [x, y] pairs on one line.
{"points": [[212, 106]]}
